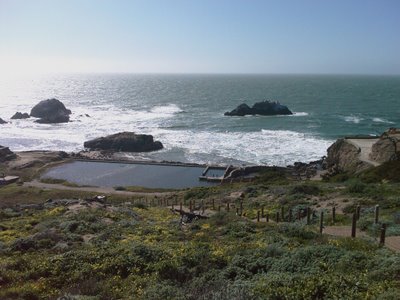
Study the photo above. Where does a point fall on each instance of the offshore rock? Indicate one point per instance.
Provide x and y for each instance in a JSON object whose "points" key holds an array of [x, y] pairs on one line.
{"points": [[2, 121], [125, 142], [19, 115], [50, 111], [264, 108]]}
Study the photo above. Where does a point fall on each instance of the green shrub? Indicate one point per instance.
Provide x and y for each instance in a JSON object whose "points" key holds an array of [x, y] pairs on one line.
{"points": [[356, 187], [120, 188], [389, 171], [306, 189], [295, 230]]}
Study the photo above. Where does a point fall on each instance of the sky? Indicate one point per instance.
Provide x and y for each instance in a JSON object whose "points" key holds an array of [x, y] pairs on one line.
{"points": [[203, 36]]}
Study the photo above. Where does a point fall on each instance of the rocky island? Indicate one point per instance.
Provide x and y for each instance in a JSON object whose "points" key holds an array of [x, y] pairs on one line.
{"points": [[50, 111], [264, 108], [125, 142]]}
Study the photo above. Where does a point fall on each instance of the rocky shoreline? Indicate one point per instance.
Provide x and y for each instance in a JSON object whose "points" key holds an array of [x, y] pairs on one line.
{"points": [[346, 155]]}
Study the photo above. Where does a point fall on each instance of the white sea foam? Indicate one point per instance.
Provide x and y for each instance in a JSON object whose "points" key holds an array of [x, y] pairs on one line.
{"points": [[272, 147], [166, 109], [353, 119], [381, 120], [300, 114]]}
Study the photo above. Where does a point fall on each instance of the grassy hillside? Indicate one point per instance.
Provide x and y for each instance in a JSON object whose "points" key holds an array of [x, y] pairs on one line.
{"points": [[135, 248]]}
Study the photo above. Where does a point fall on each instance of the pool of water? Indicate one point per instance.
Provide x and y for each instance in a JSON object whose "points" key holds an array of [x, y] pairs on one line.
{"points": [[215, 172], [109, 174]]}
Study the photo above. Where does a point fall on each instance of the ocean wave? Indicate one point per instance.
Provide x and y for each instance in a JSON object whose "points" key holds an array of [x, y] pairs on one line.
{"points": [[166, 109], [300, 114], [381, 120], [272, 147], [353, 119]]}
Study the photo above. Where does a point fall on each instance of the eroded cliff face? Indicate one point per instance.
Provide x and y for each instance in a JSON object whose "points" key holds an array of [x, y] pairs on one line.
{"points": [[387, 148], [360, 153], [344, 157]]}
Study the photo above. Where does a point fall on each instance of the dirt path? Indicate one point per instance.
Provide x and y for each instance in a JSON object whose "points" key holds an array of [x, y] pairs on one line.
{"points": [[99, 190], [365, 146], [393, 242], [344, 231]]}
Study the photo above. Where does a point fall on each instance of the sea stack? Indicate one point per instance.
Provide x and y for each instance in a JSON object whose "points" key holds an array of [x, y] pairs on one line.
{"points": [[125, 142], [50, 111], [264, 108], [18, 115]]}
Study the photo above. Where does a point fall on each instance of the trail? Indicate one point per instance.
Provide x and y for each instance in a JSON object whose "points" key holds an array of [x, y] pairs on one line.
{"points": [[99, 190], [365, 146]]}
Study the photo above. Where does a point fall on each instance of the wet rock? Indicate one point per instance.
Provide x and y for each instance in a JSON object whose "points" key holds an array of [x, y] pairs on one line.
{"points": [[264, 108], [50, 111], [19, 115], [6, 154], [125, 142]]}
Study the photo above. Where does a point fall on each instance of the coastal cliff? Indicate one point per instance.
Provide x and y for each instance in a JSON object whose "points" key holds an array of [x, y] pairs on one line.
{"points": [[358, 153]]}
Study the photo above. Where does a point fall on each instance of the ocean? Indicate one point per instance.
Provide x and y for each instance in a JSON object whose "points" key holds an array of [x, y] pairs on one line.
{"points": [[185, 113]]}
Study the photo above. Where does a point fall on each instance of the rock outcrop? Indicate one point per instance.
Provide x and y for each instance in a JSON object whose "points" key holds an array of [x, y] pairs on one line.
{"points": [[125, 142], [19, 115], [265, 108], [6, 154], [2, 121], [387, 148], [342, 157], [50, 111]]}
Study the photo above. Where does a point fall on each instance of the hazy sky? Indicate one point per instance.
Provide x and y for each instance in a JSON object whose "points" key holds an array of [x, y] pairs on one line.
{"points": [[187, 36]]}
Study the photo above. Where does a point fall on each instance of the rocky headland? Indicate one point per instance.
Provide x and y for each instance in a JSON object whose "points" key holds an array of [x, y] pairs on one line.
{"points": [[264, 108], [358, 153]]}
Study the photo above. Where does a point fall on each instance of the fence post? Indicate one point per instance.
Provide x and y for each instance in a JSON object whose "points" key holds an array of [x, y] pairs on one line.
{"points": [[241, 208], [308, 215], [321, 222], [262, 212], [283, 214], [237, 211], [227, 207], [376, 214], [290, 215], [213, 204], [258, 216], [277, 217], [354, 225], [383, 234], [334, 214], [267, 217], [298, 214], [180, 206], [190, 206], [358, 212]]}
